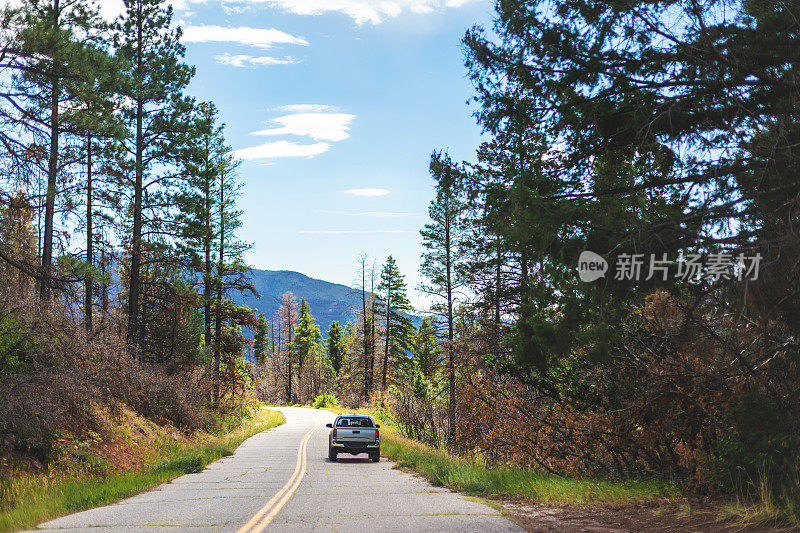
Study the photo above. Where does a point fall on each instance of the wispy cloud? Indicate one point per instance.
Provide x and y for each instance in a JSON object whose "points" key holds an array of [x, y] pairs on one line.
{"points": [[367, 192], [319, 126], [247, 61], [325, 128], [361, 11], [347, 231], [258, 37], [307, 108], [281, 149]]}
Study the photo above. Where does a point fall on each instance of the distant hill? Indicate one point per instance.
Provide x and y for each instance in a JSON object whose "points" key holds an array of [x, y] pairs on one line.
{"points": [[329, 301]]}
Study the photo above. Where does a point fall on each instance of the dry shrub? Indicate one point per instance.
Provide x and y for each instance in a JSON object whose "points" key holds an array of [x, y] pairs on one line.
{"points": [[54, 373], [691, 396], [419, 410]]}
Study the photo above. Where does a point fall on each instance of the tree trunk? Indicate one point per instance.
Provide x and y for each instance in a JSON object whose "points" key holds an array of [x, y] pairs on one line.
{"points": [[388, 337], [451, 367], [220, 274], [50, 199], [87, 312], [373, 337], [366, 337], [136, 245], [497, 290], [104, 300], [289, 355], [207, 249]]}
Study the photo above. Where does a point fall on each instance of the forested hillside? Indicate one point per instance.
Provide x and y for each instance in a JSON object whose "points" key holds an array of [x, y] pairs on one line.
{"points": [[329, 301]]}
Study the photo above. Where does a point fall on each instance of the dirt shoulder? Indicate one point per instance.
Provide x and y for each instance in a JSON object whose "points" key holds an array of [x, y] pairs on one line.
{"points": [[660, 516]]}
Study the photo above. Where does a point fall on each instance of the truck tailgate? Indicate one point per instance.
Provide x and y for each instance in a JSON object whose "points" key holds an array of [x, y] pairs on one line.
{"points": [[355, 434]]}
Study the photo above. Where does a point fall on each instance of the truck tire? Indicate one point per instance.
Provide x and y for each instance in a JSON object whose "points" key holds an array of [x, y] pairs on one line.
{"points": [[375, 456], [332, 455]]}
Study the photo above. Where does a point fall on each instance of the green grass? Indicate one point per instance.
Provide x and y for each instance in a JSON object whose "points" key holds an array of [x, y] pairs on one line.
{"points": [[470, 476], [444, 469], [762, 506], [30, 499]]}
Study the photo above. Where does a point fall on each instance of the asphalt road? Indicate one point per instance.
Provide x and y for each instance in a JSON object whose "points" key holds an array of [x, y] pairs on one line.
{"points": [[281, 480]]}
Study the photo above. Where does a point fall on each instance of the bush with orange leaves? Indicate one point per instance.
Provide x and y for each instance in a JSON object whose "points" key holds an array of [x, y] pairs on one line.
{"points": [[692, 395]]}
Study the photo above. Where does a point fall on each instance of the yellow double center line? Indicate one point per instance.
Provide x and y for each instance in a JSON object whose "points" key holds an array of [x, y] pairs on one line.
{"points": [[265, 515]]}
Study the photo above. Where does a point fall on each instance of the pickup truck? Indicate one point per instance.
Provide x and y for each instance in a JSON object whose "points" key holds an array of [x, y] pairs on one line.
{"points": [[354, 434]]}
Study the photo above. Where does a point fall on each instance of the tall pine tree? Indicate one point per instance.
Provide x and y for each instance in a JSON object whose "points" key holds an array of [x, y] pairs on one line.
{"points": [[154, 113], [443, 260], [397, 318]]}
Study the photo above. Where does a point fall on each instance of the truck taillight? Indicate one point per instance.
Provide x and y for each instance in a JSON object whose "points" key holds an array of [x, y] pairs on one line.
{"points": [[377, 434], [334, 433]]}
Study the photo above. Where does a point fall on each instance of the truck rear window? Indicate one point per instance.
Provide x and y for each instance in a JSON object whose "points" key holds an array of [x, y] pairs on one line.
{"points": [[352, 422]]}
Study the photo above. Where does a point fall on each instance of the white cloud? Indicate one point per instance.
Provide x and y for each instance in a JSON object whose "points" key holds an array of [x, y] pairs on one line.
{"points": [[319, 126], [307, 108], [111, 9], [361, 11], [325, 128], [258, 37], [280, 149], [367, 192], [244, 61]]}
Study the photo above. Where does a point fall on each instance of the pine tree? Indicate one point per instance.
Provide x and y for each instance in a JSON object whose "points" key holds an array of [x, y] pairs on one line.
{"points": [[102, 131], [397, 319], [306, 334], [336, 346], [146, 40], [202, 157], [367, 323], [56, 66], [287, 320], [232, 274], [260, 339], [443, 260], [426, 349]]}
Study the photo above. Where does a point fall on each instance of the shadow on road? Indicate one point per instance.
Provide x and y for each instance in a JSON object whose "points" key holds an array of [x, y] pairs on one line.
{"points": [[353, 459]]}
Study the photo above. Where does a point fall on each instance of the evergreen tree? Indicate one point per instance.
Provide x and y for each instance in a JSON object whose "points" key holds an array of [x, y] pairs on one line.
{"points": [[336, 346], [203, 156], [426, 349], [366, 280], [102, 131], [232, 274], [151, 47], [443, 260], [397, 319], [286, 321], [56, 61], [260, 339], [306, 334]]}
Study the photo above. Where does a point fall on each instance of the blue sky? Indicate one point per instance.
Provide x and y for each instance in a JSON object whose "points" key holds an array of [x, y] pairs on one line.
{"points": [[349, 98]]}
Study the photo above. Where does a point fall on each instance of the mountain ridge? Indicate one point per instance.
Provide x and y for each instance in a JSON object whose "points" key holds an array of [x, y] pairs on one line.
{"points": [[329, 301]]}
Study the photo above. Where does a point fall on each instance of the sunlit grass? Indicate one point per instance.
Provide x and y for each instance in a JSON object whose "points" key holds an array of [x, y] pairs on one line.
{"points": [[447, 470], [474, 477], [29, 499]]}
